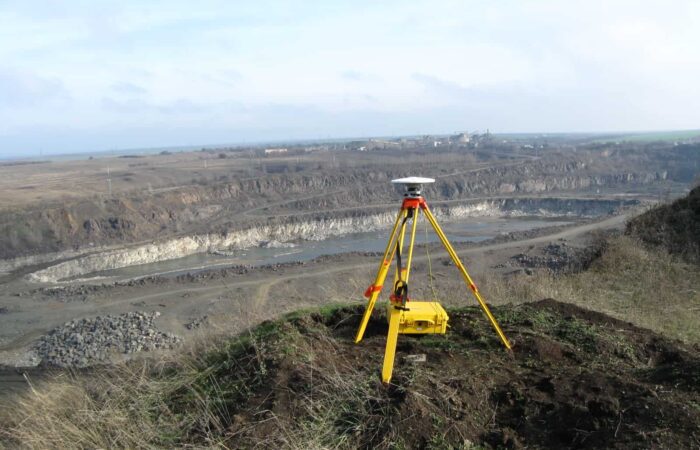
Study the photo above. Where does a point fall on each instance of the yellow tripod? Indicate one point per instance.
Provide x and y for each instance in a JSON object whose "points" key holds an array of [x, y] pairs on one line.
{"points": [[414, 317]]}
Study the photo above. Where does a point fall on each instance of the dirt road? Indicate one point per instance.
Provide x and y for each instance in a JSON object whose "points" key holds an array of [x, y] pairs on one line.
{"points": [[261, 290]]}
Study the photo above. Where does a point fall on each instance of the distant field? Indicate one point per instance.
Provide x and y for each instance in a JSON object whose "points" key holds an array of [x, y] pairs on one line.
{"points": [[653, 136], [677, 135]]}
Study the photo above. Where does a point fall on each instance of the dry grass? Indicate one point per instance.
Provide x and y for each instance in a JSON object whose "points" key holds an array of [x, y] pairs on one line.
{"points": [[649, 288], [337, 405], [144, 404], [186, 399]]}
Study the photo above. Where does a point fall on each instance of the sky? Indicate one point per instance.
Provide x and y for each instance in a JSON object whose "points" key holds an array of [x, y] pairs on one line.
{"points": [[93, 75]]}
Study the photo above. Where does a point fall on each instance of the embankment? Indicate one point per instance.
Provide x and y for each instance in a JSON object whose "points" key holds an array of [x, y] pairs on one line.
{"points": [[322, 227]]}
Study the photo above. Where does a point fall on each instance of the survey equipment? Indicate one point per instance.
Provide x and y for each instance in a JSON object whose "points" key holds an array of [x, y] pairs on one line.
{"points": [[407, 316]]}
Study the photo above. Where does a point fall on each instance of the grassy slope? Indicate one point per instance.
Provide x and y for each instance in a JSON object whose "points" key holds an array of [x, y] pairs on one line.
{"points": [[675, 226], [575, 379], [647, 287]]}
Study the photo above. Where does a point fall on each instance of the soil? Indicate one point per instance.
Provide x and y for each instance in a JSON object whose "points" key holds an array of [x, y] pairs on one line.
{"points": [[574, 379], [674, 226]]}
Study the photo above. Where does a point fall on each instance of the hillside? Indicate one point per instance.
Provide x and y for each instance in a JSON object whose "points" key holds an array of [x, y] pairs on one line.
{"points": [[675, 226], [66, 206], [576, 379], [614, 362]]}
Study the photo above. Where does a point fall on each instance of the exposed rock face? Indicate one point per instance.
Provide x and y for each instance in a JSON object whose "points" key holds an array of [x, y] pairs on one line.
{"points": [[312, 230], [86, 342], [99, 222]]}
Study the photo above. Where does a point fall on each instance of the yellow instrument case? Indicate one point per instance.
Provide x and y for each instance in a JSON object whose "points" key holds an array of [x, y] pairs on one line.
{"points": [[421, 318]]}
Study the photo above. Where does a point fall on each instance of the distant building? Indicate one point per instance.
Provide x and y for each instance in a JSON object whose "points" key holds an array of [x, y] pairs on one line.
{"points": [[461, 138], [275, 151]]}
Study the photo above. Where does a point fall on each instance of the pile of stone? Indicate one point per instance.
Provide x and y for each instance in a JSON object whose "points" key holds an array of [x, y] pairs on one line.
{"points": [[86, 342], [557, 258], [561, 250], [196, 323]]}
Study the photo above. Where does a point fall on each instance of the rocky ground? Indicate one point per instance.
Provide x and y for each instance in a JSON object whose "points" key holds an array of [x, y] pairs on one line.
{"points": [[235, 297], [557, 257], [85, 342], [48, 216]]}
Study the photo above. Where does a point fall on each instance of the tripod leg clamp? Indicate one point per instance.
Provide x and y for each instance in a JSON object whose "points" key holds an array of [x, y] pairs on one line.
{"points": [[372, 289]]}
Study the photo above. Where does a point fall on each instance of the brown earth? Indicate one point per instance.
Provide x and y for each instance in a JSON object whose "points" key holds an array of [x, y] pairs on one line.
{"points": [[575, 379], [674, 226]]}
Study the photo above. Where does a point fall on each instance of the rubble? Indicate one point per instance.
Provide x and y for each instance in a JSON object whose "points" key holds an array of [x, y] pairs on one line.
{"points": [[557, 258], [86, 342], [196, 323]]}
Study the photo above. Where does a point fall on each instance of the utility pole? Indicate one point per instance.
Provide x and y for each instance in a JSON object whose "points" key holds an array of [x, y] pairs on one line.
{"points": [[109, 182]]}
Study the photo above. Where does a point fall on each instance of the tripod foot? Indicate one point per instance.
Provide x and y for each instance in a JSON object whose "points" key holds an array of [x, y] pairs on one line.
{"points": [[391, 339]]}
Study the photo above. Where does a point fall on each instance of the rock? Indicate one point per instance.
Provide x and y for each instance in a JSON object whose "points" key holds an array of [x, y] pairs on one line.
{"points": [[418, 358], [196, 323], [86, 342]]}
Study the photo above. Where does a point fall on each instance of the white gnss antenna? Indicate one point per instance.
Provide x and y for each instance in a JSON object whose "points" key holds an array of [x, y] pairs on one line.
{"points": [[414, 185]]}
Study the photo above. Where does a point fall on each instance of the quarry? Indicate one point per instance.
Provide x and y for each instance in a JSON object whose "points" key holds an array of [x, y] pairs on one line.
{"points": [[413, 225], [187, 254]]}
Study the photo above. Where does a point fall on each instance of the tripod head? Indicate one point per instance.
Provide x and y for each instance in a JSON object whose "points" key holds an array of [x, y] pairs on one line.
{"points": [[414, 185]]}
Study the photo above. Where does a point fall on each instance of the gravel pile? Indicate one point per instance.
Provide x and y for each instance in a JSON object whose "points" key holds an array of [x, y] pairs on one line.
{"points": [[85, 342], [558, 258], [196, 323]]}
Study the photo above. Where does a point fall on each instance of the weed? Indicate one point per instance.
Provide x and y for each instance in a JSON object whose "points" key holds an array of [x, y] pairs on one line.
{"points": [[577, 332], [647, 287], [222, 392]]}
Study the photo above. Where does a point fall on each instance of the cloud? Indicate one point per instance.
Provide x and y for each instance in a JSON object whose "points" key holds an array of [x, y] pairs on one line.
{"points": [[438, 85], [175, 107], [352, 75], [486, 97], [127, 88], [343, 68], [25, 89]]}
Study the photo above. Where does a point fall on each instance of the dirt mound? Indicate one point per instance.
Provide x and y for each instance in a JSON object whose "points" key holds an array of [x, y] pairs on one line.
{"points": [[675, 226], [575, 379]]}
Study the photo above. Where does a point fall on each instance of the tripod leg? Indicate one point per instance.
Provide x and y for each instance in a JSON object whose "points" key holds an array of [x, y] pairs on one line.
{"points": [[466, 276], [399, 248], [391, 338], [395, 314], [375, 289], [407, 273]]}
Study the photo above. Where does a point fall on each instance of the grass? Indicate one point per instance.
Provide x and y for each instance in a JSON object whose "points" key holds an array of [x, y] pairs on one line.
{"points": [[214, 392], [652, 136], [647, 287], [187, 399], [144, 404]]}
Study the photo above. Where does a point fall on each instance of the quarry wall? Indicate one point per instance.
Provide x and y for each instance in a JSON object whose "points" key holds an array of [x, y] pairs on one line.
{"points": [[319, 228]]}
